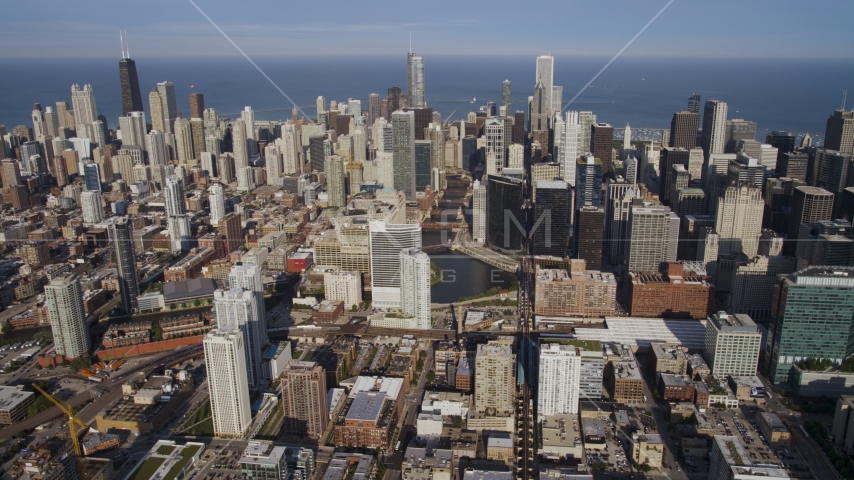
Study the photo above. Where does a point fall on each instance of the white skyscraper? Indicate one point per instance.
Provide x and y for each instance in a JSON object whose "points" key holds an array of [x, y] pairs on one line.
{"points": [[495, 148], [239, 145], [289, 147], [566, 144], [85, 111], [237, 307], [415, 80], [248, 277], [177, 221], [216, 197], [155, 144], [560, 375], [714, 127], [386, 242], [415, 286], [273, 160], [133, 129], [627, 138], [545, 74], [227, 381], [248, 117], [169, 107], [739, 219], [93, 208], [479, 213], [64, 300]]}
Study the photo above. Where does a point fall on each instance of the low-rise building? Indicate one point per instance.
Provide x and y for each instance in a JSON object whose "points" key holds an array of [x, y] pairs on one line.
{"points": [[14, 404], [341, 467], [575, 293], [327, 312], [843, 423], [370, 414], [747, 388], [560, 437], [677, 388], [263, 460], [668, 358], [774, 429], [647, 450], [624, 375]]}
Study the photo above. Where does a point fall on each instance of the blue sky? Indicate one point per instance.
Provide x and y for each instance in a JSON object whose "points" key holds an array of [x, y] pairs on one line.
{"points": [[692, 28]]}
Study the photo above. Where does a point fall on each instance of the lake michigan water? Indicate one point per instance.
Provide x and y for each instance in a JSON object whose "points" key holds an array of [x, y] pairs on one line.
{"points": [[779, 94]]}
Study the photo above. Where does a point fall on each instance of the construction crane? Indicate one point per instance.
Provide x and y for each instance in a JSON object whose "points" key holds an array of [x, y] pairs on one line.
{"points": [[73, 422], [449, 116]]}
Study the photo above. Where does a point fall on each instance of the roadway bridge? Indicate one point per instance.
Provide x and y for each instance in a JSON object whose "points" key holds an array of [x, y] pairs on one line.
{"points": [[496, 260]]}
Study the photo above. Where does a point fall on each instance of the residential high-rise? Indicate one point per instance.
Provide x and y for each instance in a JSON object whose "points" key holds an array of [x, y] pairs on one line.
{"points": [[809, 204], [694, 103], [494, 379], [183, 140], [566, 148], [586, 120], [216, 197], [197, 105], [64, 300], [602, 144], [589, 232], [669, 157], [85, 111], [373, 108], [793, 165], [832, 171], [549, 233], [334, 169], [393, 103], [403, 151], [343, 286], [248, 277], [155, 107], [304, 403], [479, 212], [504, 219], [155, 145], [231, 225], [238, 308], [227, 381], [121, 234], [177, 221], [683, 129], [653, 237], [386, 242], [131, 98], [739, 219], [423, 169], [415, 286], [505, 95], [714, 127], [588, 181], [618, 200], [558, 382], [415, 80], [839, 134], [733, 343], [11, 171], [495, 147], [749, 282], [133, 129], [169, 107], [518, 127], [812, 316], [93, 208]]}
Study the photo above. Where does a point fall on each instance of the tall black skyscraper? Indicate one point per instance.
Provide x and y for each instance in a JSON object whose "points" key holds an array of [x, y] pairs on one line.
{"points": [[393, 100], [551, 218], [504, 221], [131, 98], [423, 171], [602, 144], [669, 156], [683, 129], [590, 228], [121, 234]]}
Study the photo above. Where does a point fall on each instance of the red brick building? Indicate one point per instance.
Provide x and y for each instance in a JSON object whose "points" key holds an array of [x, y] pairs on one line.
{"points": [[327, 312], [675, 387], [679, 293], [299, 262]]}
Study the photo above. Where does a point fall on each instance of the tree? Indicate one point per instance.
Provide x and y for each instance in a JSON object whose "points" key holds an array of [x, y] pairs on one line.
{"points": [[5, 327], [197, 303], [173, 307], [80, 363], [156, 332]]}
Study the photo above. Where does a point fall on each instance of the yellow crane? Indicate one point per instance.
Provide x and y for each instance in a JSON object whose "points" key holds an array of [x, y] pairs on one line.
{"points": [[73, 422]]}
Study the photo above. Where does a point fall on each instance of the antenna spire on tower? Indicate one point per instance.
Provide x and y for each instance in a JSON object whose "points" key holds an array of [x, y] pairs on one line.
{"points": [[127, 45], [122, 42], [844, 98]]}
